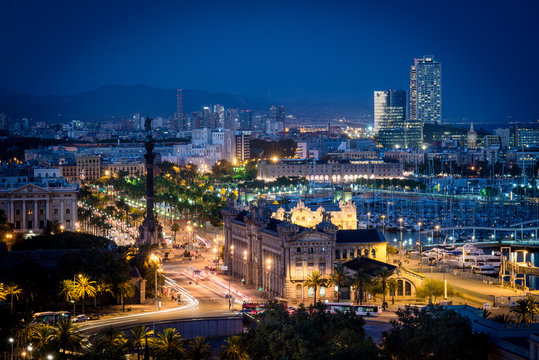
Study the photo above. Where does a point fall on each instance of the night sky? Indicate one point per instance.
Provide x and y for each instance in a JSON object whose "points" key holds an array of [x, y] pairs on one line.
{"points": [[318, 51]]}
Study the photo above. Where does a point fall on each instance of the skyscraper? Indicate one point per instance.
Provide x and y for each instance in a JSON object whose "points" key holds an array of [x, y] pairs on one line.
{"points": [[390, 109], [179, 117], [426, 91], [246, 120]]}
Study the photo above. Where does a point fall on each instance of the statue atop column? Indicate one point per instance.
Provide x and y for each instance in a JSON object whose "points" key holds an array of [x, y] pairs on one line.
{"points": [[150, 232]]}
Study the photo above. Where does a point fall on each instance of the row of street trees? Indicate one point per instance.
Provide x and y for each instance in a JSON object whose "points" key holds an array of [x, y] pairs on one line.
{"points": [[65, 340], [361, 282]]}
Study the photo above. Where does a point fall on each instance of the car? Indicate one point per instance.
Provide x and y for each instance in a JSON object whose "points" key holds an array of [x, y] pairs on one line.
{"points": [[79, 318], [245, 311], [94, 316]]}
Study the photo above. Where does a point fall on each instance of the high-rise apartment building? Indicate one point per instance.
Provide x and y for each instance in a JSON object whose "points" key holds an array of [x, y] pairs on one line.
{"points": [[243, 145], [426, 91]]}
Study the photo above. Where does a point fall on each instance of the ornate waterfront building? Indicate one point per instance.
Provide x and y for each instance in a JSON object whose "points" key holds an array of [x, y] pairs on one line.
{"points": [[277, 255], [344, 217]]}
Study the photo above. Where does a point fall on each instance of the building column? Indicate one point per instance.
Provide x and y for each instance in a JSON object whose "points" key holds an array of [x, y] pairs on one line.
{"points": [[62, 212], [11, 211], [23, 215], [47, 204], [74, 217], [34, 224]]}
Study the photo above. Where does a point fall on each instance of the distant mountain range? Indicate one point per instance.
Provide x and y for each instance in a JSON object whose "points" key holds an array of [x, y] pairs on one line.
{"points": [[117, 102]]}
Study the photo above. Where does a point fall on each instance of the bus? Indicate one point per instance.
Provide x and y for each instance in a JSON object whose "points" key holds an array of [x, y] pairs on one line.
{"points": [[49, 317], [361, 310]]}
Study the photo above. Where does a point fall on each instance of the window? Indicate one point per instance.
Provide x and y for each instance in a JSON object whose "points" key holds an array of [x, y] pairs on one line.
{"points": [[311, 250], [17, 212], [366, 252], [55, 211], [323, 249], [310, 268], [68, 211], [298, 250], [337, 254], [373, 253], [322, 268], [310, 291], [41, 211], [299, 291], [17, 224], [399, 288], [322, 291], [407, 288], [41, 224], [351, 253], [344, 255], [299, 270], [29, 223]]}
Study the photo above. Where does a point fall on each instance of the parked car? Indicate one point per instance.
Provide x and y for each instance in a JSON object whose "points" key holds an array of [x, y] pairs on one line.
{"points": [[79, 318]]}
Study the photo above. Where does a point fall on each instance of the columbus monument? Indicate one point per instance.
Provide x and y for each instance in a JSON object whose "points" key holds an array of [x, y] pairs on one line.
{"points": [[150, 232]]}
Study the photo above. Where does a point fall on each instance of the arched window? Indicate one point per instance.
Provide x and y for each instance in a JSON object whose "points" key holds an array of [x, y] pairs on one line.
{"points": [[344, 255], [407, 288], [373, 252], [366, 252], [337, 254], [322, 291], [310, 291], [299, 291]]}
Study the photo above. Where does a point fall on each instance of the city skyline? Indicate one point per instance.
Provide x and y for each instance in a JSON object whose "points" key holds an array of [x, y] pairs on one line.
{"points": [[317, 53]]}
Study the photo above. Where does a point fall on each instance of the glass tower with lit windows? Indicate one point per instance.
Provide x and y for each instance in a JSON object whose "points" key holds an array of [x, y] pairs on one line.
{"points": [[426, 91], [390, 110]]}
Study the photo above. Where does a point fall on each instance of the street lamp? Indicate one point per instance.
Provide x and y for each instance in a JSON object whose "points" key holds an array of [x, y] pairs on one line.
{"points": [[268, 276], [73, 301], [49, 357], [437, 227], [244, 267], [368, 219], [11, 342], [155, 259], [30, 348], [383, 223], [400, 226], [230, 275]]}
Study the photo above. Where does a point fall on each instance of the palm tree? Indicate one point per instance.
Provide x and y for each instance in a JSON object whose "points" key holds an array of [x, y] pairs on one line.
{"points": [[125, 290], [339, 278], [175, 228], [110, 337], [315, 281], [67, 290], [525, 309], [168, 345], [102, 287], [3, 292], [23, 334], [83, 287], [42, 336], [392, 285], [199, 349], [232, 350], [383, 274], [140, 336], [66, 336], [359, 282], [13, 291]]}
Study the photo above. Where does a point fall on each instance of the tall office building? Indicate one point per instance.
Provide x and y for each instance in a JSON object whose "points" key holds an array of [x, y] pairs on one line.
{"points": [[3, 120], [390, 109], [180, 122], [243, 145], [231, 118], [246, 120], [426, 91]]}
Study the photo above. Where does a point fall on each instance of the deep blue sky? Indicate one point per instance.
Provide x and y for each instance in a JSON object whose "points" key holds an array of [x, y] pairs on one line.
{"points": [[313, 50]]}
